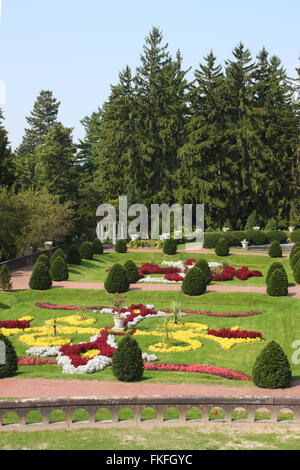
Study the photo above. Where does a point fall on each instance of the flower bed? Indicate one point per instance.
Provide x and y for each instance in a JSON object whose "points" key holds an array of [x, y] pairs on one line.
{"points": [[200, 369], [230, 333], [228, 273]]}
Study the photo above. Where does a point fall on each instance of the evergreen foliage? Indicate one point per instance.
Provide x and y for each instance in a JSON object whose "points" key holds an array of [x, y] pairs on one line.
{"points": [[127, 361], [275, 265], [275, 250], [40, 278], [278, 284], [271, 368], [10, 367], [5, 278], [203, 265], [132, 271], [59, 269], [222, 248], [170, 246], [294, 259], [86, 250], [97, 247], [121, 246], [73, 255], [194, 282], [117, 280], [295, 236], [56, 254], [44, 259], [296, 272]]}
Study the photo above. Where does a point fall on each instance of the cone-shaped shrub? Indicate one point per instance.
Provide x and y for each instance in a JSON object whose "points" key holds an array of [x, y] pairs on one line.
{"points": [[271, 368], [59, 270], [73, 255], [275, 250], [295, 247], [86, 250], [297, 272], [294, 259], [278, 284], [275, 265], [44, 259], [170, 246], [117, 280], [97, 247], [194, 282], [127, 361], [121, 246], [8, 353], [40, 277], [222, 248], [132, 271], [58, 252], [5, 278], [202, 264]]}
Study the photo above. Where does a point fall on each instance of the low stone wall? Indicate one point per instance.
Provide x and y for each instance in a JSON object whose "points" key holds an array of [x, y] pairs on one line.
{"points": [[160, 404], [284, 247], [29, 260]]}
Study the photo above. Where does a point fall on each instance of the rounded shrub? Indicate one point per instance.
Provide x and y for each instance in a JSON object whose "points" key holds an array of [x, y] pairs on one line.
{"points": [[97, 247], [278, 235], [295, 258], [127, 361], [275, 265], [132, 271], [86, 250], [59, 270], [296, 247], [73, 255], [257, 237], [11, 359], [121, 246], [222, 248], [272, 368], [295, 236], [297, 272], [275, 250], [117, 280], [58, 252], [40, 278], [5, 278], [194, 282], [278, 284], [202, 264], [170, 246], [211, 239], [44, 259]]}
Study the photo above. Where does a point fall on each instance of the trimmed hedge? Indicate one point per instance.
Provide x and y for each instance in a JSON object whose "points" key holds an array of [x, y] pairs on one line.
{"points": [[297, 272], [295, 236], [97, 247], [278, 284], [194, 282], [73, 255], [170, 246], [132, 271], [295, 258], [44, 259], [40, 278], [222, 248], [86, 250], [127, 361], [59, 270], [117, 280], [275, 265], [10, 367], [5, 278], [295, 248], [275, 250], [272, 368], [278, 235], [58, 252], [121, 246], [257, 237], [203, 265]]}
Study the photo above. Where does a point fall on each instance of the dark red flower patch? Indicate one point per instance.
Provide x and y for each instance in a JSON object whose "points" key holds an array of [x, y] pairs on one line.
{"points": [[22, 324], [173, 277], [228, 333], [228, 273]]}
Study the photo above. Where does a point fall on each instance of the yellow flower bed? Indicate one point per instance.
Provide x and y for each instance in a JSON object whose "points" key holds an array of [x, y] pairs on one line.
{"points": [[36, 339], [26, 318], [90, 353], [72, 320], [11, 331]]}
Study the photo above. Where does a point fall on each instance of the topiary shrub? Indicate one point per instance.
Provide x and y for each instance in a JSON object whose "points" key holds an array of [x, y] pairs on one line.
{"points": [[5, 278], [127, 361], [11, 359], [121, 246], [278, 235], [170, 246], [297, 272], [132, 271], [272, 268], [296, 247], [117, 280], [40, 278], [97, 247], [59, 270], [211, 239], [86, 250], [202, 264], [278, 284], [295, 258], [275, 250], [295, 236], [73, 255], [194, 282], [272, 368], [44, 259], [222, 248], [58, 252]]}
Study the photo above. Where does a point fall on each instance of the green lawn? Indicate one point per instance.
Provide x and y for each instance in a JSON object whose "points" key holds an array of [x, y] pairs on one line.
{"points": [[95, 270], [279, 321]]}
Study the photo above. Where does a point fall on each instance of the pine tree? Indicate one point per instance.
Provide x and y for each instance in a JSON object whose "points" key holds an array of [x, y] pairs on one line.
{"points": [[6, 157]]}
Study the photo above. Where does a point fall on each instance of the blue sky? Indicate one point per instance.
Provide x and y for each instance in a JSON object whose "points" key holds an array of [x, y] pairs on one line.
{"points": [[76, 48]]}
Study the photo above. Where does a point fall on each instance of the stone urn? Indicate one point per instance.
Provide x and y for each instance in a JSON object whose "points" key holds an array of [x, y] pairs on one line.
{"points": [[119, 323], [245, 244]]}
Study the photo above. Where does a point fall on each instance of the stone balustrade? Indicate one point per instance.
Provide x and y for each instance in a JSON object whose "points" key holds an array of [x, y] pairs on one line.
{"points": [[137, 404]]}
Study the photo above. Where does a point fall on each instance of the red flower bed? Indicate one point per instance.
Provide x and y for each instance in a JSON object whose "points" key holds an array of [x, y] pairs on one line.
{"points": [[220, 314], [191, 261], [200, 369], [173, 277], [26, 361], [148, 268], [228, 273], [143, 312], [228, 333], [22, 324], [68, 307]]}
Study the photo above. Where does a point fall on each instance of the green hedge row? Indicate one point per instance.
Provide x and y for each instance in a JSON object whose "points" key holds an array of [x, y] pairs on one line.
{"points": [[254, 237]]}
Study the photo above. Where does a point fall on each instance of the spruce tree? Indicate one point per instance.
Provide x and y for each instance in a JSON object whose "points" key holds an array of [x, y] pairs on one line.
{"points": [[271, 368], [7, 166]]}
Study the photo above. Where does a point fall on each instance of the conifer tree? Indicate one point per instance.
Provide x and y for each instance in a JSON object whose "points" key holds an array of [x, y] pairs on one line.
{"points": [[6, 156]]}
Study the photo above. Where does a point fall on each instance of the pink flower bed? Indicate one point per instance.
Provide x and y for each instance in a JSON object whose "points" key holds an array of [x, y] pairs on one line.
{"points": [[27, 361], [228, 333], [200, 369]]}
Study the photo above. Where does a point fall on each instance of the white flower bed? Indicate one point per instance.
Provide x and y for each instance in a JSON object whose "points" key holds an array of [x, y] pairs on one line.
{"points": [[149, 357], [95, 364], [42, 351]]}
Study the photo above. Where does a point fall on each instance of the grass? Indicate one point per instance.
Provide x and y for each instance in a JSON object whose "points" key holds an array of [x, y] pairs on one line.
{"points": [[278, 322], [95, 270]]}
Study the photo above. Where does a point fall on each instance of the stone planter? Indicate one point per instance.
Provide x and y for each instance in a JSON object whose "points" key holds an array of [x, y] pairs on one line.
{"points": [[119, 324]]}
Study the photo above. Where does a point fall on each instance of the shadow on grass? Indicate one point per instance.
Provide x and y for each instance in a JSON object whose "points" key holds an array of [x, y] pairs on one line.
{"points": [[4, 306]]}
